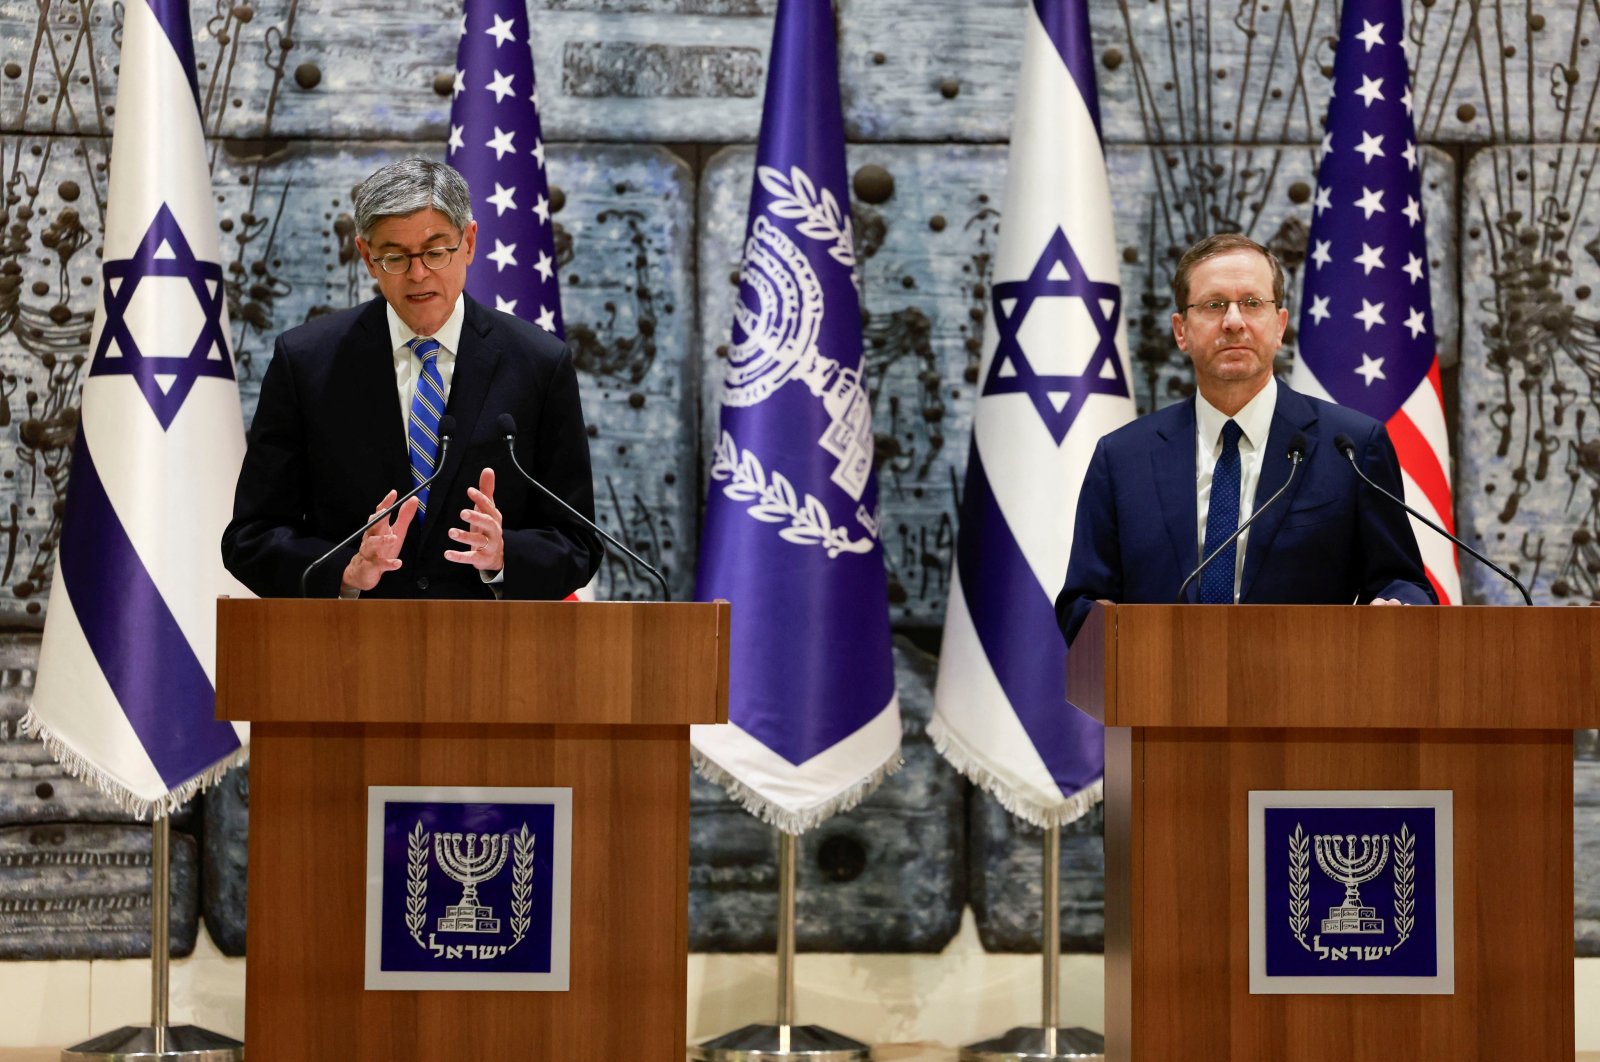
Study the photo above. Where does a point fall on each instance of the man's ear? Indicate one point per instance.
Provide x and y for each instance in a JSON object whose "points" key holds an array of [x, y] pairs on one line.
{"points": [[1177, 332], [366, 255]]}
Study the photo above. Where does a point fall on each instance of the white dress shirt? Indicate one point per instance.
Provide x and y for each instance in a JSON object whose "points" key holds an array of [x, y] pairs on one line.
{"points": [[407, 365], [1255, 421]]}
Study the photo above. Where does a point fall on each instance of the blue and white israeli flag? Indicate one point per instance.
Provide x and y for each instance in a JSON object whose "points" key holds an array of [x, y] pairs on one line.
{"points": [[125, 695], [1054, 378], [792, 524]]}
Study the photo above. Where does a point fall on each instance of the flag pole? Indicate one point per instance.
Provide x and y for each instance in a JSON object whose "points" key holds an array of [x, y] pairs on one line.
{"points": [[158, 1041], [1050, 935], [785, 1039], [1047, 1041]]}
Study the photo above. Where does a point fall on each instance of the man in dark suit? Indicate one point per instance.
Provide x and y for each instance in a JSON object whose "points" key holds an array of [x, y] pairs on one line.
{"points": [[349, 414], [1152, 485]]}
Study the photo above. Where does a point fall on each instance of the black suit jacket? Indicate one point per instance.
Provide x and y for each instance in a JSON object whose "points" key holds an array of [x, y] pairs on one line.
{"points": [[328, 441], [1329, 540]]}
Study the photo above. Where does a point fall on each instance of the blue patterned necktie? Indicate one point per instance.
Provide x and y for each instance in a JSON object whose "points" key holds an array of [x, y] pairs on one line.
{"points": [[427, 406], [1222, 520]]}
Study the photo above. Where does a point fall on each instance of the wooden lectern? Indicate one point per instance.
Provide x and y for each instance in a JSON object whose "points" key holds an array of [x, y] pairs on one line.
{"points": [[1203, 704], [345, 695]]}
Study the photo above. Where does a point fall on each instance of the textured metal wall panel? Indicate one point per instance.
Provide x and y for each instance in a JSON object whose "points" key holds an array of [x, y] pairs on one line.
{"points": [[71, 891], [1529, 458], [616, 71]]}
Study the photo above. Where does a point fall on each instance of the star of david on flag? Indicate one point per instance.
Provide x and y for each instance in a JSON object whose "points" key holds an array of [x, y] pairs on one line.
{"points": [[1366, 314], [1055, 378], [125, 696], [497, 143], [164, 379], [1057, 397], [792, 525]]}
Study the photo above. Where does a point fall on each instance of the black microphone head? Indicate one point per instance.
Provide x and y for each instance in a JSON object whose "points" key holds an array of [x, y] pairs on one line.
{"points": [[1298, 446], [447, 426], [507, 424], [1344, 444]]}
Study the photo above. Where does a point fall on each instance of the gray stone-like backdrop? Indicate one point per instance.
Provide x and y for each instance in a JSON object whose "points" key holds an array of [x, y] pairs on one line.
{"points": [[1212, 110]]}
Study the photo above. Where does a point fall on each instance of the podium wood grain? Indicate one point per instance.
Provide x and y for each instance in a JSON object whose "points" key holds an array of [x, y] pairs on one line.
{"points": [[595, 697], [1216, 702]]}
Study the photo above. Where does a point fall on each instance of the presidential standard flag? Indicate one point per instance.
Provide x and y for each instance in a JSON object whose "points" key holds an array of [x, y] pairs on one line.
{"points": [[1055, 377], [126, 693], [1366, 316], [496, 142], [792, 526]]}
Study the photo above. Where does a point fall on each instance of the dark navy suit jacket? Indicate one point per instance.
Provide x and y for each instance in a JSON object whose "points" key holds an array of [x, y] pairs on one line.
{"points": [[1330, 539], [328, 441]]}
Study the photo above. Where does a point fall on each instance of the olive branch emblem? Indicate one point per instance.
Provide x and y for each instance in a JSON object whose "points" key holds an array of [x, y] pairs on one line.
{"points": [[1405, 883], [521, 883], [1299, 884], [797, 198], [417, 882], [776, 501]]}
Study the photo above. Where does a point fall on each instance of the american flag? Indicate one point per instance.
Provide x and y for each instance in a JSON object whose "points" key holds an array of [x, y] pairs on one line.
{"points": [[497, 144], [1366, 315]]}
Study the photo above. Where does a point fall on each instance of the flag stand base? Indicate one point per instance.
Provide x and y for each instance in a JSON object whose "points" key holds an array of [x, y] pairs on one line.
{"points": [[142, 1043], [1032, 1043], [770, 1043]]}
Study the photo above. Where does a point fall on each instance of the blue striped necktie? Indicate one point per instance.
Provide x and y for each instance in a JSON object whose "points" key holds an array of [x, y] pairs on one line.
{"points": [[427, 406], [1222, 520]]}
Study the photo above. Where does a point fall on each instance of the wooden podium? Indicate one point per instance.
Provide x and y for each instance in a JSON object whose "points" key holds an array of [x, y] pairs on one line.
{"points": [[1203, 704], [345, 695]]}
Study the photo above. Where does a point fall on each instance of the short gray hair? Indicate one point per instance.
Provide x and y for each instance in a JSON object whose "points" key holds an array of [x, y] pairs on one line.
{"points": [[403, 188]]}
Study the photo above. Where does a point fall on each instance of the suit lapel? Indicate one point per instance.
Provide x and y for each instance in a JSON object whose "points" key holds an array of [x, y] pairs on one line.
{"points": [[1291, 413], [374, 407], [469, 386], [1172, 466]]}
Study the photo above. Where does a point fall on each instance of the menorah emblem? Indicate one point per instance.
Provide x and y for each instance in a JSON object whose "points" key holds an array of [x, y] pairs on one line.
{"points": [[1338, 859], [484, 857]]}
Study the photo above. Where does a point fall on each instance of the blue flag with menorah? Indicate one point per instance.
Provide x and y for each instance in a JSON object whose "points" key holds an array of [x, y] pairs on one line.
{"points": [[498, 145], [1366, 316], [792, 525], [125, 697], [1054, 378]]}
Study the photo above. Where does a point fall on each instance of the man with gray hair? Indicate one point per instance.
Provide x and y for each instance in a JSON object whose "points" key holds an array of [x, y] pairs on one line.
{"points": [[349, 419]]}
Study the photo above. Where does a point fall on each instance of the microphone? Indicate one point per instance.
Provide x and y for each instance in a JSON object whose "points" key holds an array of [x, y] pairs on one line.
{"points": [[1347, 447], [447, 428], [508, 430], [1297, 453]]}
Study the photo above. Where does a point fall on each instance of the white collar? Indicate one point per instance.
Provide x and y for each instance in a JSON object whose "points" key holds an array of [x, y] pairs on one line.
{"points": [[1254, 420], [448, 335]]}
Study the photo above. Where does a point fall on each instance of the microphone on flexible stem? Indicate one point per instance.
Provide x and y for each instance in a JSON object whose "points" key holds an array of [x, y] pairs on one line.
{"points": [[508, 430], [1346, 446], [1297, 453], [447, 428]]}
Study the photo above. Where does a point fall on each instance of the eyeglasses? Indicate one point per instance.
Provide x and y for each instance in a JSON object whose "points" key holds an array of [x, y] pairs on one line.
{"points": [[434, 258], [1216, 309]]}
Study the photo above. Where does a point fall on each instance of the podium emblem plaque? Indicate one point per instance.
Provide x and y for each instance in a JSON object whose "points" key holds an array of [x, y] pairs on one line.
{"points": [[1351, 892], [468, 888]]}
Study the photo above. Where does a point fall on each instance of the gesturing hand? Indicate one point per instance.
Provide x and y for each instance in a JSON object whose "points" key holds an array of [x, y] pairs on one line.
{"points": [[485, 549], [379, 549]]}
